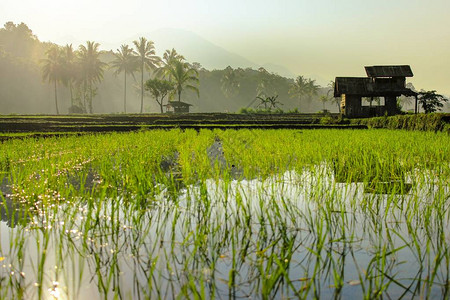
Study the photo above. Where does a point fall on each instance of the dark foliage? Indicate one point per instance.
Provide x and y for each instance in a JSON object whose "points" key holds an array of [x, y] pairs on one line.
{"points": [[431, 101]]}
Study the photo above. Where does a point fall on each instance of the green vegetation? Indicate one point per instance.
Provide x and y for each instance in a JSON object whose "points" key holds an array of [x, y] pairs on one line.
{"points": [[217, 214], [431, 101], [184, 77], [146, 55], [77, 79], [303, 88], [425, 122], [124, 62], [159, 88], [90, 73], [52, 70]]}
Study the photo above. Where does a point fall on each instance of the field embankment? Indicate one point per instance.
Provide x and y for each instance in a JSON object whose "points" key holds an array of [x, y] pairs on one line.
{"points": [[17, 126], [46, 125], [422, 122]]}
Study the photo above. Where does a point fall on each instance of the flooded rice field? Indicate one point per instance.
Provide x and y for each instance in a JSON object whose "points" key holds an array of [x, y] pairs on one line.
{"points": [[226, 214]]}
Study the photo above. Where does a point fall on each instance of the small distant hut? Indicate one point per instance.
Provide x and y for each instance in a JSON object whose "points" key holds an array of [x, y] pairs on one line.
{"points": [[382, 83], [177, 107]]}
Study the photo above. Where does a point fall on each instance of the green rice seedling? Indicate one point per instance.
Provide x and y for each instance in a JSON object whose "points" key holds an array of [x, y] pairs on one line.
{"points": [[284, 213]]}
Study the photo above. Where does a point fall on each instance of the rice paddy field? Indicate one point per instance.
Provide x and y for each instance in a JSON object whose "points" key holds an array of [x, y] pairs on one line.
{"points": [[226, 214]]}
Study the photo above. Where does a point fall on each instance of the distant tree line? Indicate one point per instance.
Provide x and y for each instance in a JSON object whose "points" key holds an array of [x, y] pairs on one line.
{"points": [[82, 70], [90, 78]]}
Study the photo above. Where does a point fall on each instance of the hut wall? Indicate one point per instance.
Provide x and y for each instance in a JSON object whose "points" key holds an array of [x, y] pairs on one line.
{"points": [[352, 107], [181, 109], [391, 105]]}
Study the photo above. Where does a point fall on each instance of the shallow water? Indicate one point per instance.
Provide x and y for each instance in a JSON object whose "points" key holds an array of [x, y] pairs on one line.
{"points": [[293, 235]]}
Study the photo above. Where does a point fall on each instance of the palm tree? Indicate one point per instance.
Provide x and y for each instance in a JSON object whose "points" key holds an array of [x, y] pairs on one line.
{"points": [[145, 52], [169, 58], [303, 87], [269, 103], [181, 75], [335, 100], [124, 61], [52, 69], [69, 74], [91, 69]]}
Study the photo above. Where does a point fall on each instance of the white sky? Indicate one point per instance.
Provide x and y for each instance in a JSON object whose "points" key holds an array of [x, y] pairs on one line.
{"points": [[322, 38]]}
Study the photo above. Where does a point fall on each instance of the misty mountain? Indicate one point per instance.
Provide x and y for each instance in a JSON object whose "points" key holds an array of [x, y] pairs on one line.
{"points": [[194, 48], [70, 39], [280, 70]]}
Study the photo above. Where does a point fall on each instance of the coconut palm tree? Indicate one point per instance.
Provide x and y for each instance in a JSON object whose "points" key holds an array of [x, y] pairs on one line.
{"points": [[146, 55], [303, 88], [330, 95], [91, 70], [169, 58], [69, 74], [124, 61], [52, 69], [182, 74]]}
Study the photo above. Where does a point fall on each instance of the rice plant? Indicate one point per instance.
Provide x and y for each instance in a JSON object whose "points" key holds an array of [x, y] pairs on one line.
{"points": [[226, 213]]}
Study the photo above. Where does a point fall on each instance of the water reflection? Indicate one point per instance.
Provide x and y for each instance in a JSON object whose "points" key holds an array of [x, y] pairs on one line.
{"points": [[12, 212], [298, 235]]}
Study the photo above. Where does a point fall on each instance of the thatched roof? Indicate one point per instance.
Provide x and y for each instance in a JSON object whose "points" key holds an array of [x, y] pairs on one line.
{"points": [[351, 86], [178, 104], [389, 71]]}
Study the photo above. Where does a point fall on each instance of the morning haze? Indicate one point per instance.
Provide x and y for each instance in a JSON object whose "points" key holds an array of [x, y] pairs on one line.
{"points": [[236, 149], [316, 39]]}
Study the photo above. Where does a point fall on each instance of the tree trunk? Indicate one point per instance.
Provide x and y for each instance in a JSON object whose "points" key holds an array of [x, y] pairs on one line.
{"points": [[161, 106], [56, 100], [415, 106], [85, 96], [142, 87], [71, 93], [125, 95], [91, 96]]}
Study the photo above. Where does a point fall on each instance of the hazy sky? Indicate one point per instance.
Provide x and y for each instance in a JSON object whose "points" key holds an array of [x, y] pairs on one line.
{"points": [[320, 38]]}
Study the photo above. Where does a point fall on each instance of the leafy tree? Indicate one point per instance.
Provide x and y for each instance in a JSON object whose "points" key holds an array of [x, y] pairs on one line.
{"points": [[91, 71], [20, 41], [52, 70], [431, 101], [266, 83], [145, 51], [230, 83], [196, 65], [124, 61], [159, 88], [182, 75]]}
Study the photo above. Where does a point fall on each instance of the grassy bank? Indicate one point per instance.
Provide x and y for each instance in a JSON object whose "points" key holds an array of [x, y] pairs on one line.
{"points": [[423, 122]]}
